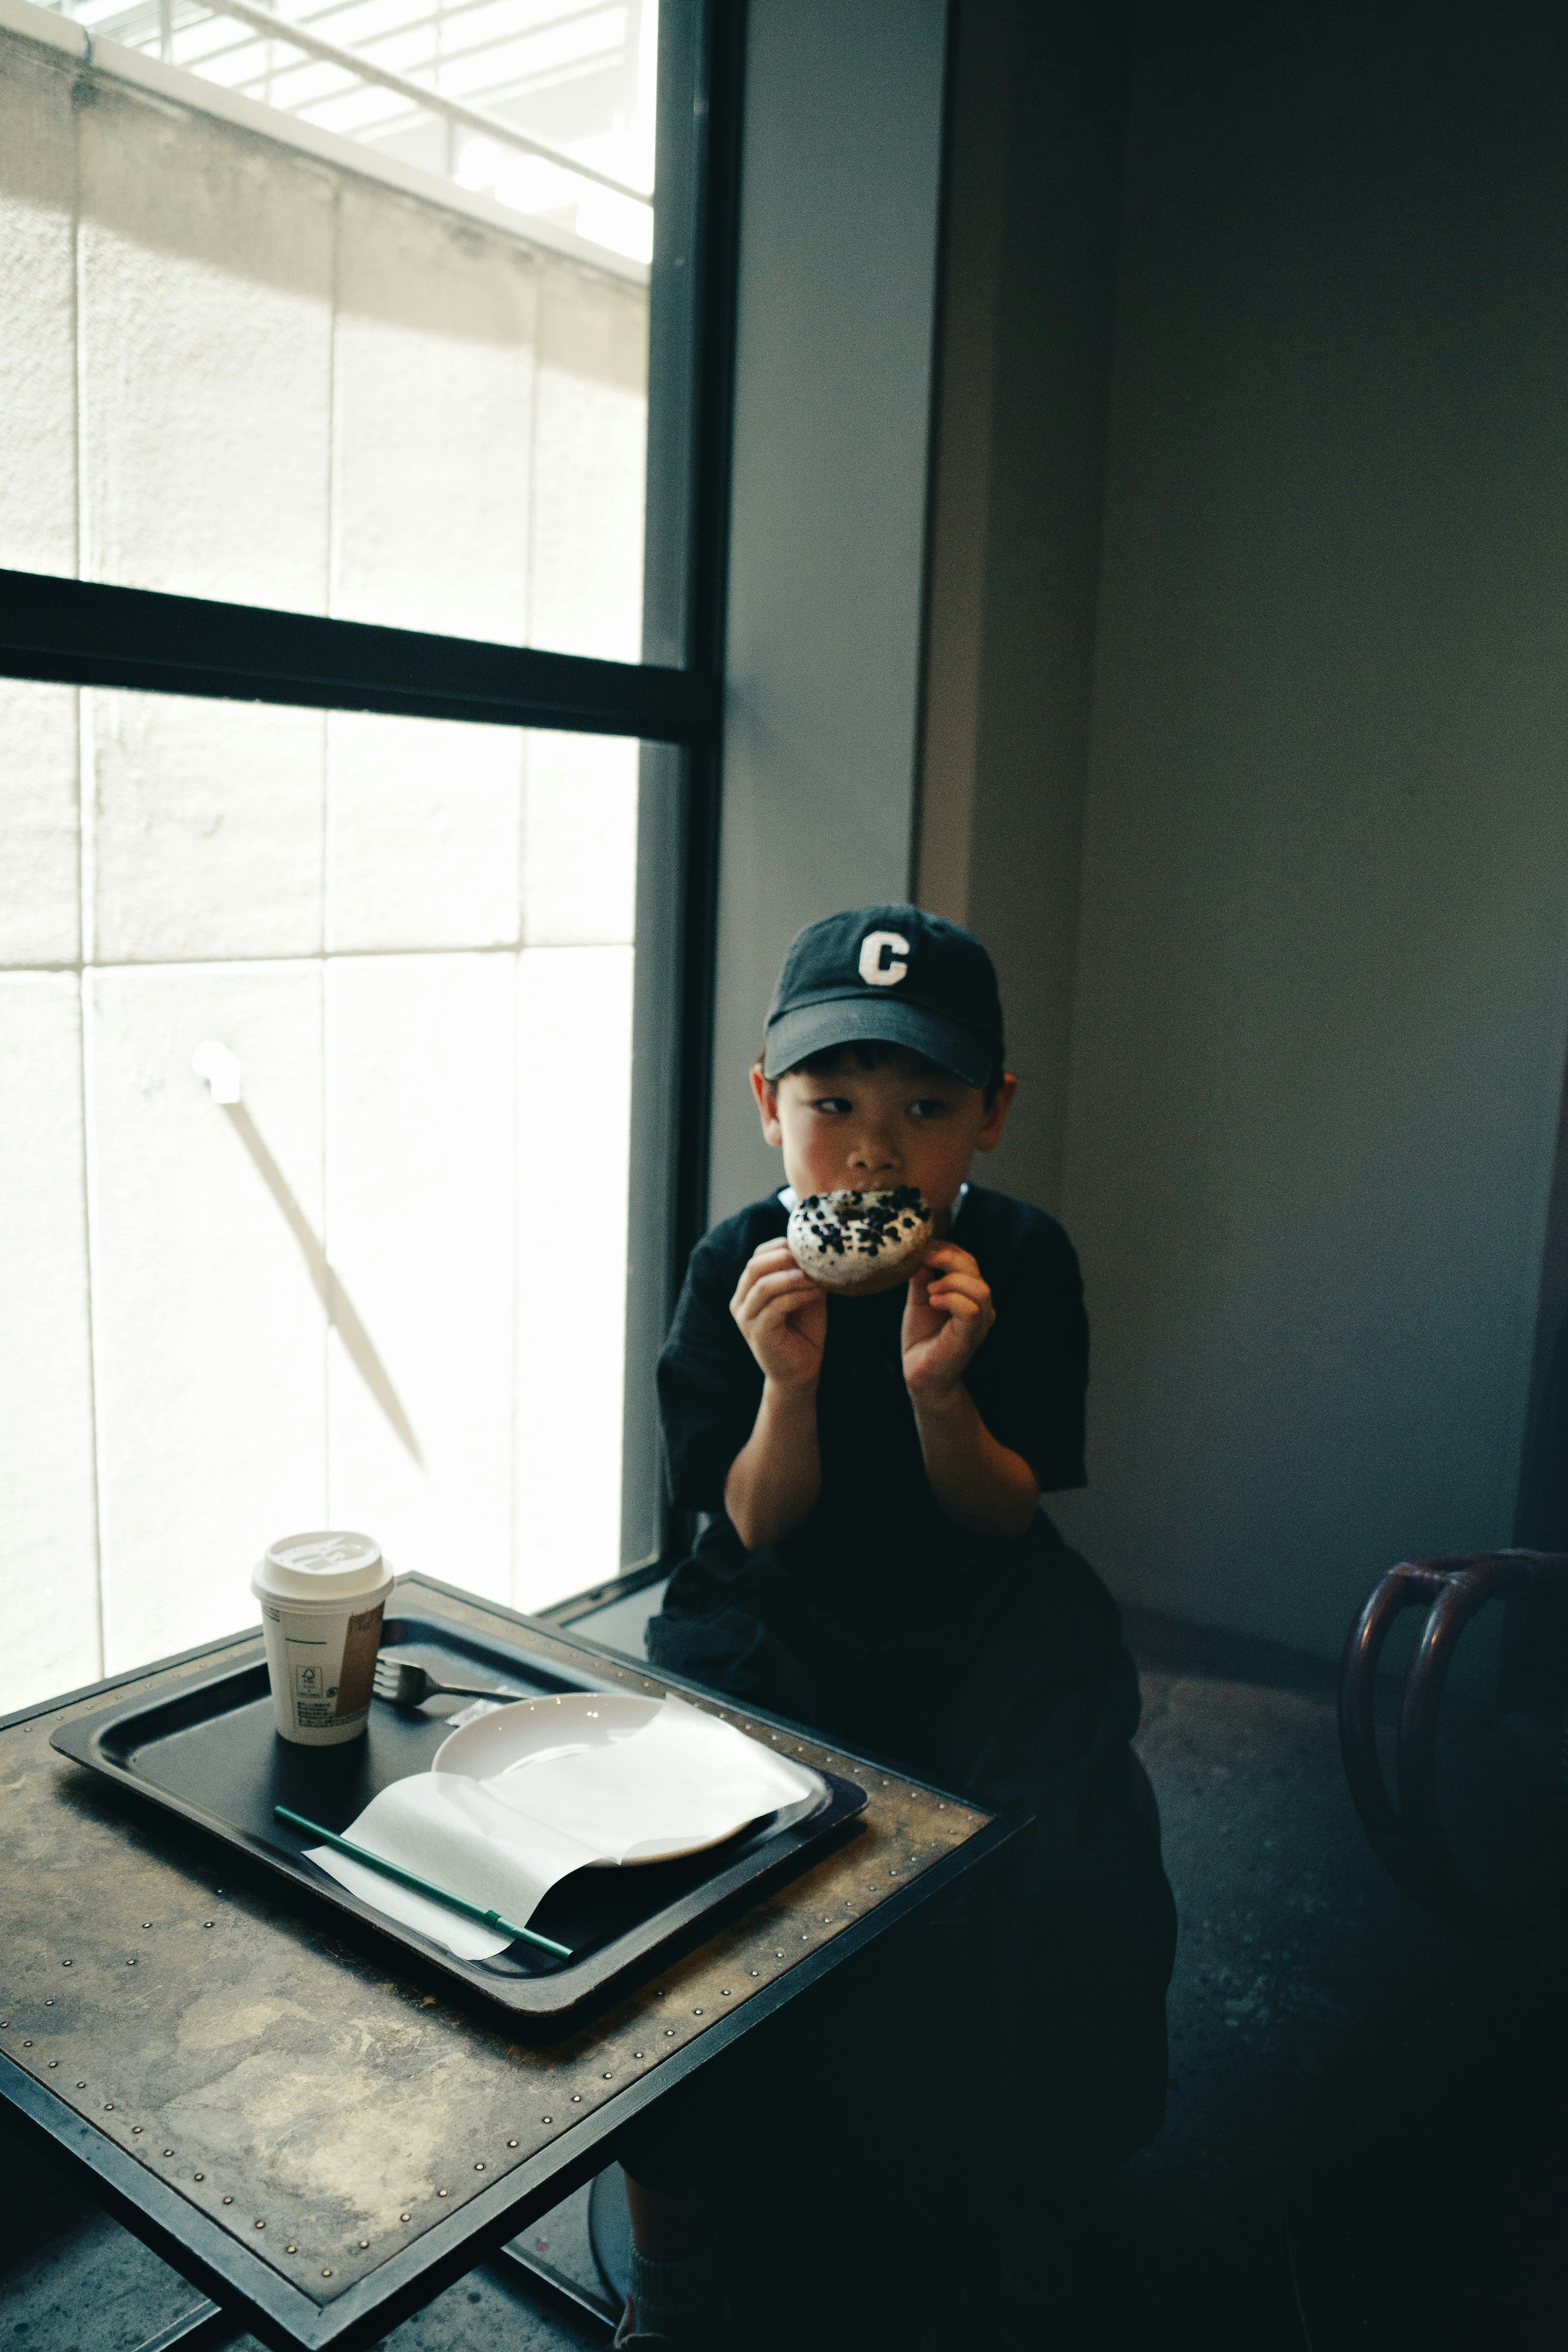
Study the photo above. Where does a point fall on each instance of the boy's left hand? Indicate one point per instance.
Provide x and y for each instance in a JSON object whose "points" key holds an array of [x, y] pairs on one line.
{"points": [[947, 1315]]}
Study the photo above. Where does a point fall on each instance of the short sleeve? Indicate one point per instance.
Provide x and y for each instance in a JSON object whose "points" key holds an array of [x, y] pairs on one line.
{"points": [[709, 1384], [1030, 1378]]}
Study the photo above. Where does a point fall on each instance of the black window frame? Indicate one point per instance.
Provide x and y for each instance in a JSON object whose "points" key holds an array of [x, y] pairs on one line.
{"points": [[90, 633]]}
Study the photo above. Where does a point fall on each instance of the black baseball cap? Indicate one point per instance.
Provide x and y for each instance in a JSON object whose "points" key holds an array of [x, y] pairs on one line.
{"points": [[893, 973]]}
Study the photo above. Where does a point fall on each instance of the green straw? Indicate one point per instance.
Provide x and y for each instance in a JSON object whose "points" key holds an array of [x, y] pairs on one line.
{"points": [[423, 1886]]}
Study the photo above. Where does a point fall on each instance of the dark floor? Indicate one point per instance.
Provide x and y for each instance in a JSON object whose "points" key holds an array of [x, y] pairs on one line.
{"points": [[1324, 2036]]}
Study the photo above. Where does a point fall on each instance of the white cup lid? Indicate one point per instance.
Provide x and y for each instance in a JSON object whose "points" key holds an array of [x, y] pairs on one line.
{"points": [[321, 1566]]}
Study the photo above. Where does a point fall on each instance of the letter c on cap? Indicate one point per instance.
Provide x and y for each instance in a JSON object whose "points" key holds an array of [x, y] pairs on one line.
{"points": [[873, 947]]}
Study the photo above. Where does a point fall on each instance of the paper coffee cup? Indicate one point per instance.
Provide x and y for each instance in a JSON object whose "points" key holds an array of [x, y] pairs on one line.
{"points": [[321, 1597]]}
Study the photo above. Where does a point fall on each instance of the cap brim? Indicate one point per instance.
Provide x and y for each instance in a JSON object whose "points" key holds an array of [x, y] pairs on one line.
{"points": [[814, 1028]]}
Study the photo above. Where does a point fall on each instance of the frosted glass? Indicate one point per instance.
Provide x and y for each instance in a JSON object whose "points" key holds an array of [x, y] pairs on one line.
{"points": [[419, 1230], [206, 277], [40, 905], [209, 1331], [423, 834], [49, 1556], [38, 308], [207, 837]]}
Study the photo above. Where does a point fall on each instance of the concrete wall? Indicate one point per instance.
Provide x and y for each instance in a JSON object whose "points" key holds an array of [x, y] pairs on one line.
{"points": [[838, 231], [1323, 983], [329, 1303], [234, 366]]}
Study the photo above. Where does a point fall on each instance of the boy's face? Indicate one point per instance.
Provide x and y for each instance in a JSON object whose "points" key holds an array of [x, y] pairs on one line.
{"points": [[867, 1130]]}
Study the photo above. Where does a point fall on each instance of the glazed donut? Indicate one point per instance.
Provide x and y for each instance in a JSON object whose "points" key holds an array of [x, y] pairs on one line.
{"points": [[860, 1241]]}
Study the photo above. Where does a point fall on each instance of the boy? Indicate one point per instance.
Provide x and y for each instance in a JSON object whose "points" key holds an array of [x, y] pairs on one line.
{"points": [[875, 1565]]}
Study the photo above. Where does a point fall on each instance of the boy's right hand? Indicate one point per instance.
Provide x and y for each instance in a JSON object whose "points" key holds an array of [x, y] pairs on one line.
{"points": [[782, 1316]]}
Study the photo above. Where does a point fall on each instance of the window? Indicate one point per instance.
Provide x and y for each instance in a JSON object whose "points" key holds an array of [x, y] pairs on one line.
{"points": [[351, 951], [298, 374]]}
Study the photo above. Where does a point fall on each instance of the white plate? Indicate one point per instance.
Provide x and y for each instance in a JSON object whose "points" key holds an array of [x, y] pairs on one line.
{"points": [[510, 1737]]}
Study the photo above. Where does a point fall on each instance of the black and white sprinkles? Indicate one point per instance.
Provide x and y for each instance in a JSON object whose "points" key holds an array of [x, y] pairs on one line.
{"points": [[860, 1241]]}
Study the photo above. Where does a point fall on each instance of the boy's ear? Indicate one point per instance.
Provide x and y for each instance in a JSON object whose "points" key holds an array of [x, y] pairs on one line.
{"points": [[996, 1111], [767, 1095]]}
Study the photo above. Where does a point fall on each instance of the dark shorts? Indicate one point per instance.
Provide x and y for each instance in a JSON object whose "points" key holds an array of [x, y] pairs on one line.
{"points": [[1003, 1678]]}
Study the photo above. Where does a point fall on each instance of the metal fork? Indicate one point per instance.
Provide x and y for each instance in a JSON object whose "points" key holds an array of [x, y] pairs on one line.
{"points": [[406, 1685]]}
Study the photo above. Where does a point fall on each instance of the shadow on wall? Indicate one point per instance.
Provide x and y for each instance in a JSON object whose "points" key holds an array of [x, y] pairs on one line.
{"points": [[220, 1068]]}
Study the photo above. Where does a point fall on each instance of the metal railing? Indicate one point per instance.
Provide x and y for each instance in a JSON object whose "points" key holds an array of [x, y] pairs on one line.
{"points": [[418, 94]]}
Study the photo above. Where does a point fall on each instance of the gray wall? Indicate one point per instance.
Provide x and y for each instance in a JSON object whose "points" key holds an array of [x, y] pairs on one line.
{"points": [[1029, 270], [1323, 983], [838, 230]]}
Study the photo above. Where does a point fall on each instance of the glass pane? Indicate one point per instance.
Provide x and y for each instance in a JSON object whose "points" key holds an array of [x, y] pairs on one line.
{"points": [[273, 333], [318, 1215]]}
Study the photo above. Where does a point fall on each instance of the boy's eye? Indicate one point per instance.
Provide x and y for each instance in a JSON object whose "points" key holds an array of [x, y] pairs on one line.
{"points": [[838, 1103], [927, 1106]]}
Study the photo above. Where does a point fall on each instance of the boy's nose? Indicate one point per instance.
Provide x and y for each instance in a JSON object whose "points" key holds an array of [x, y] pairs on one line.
{"points": [[874, 1155]]}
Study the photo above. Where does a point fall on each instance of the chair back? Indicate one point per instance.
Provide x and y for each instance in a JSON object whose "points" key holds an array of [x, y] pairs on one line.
{"points": [[1405, 1827]]}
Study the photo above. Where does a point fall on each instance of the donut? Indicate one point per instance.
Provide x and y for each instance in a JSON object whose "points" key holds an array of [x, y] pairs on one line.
{"points": [[860, 1241]]}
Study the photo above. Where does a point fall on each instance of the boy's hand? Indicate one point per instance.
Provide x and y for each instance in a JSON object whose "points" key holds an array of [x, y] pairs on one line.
{"points": [[947, 1315], [782, 1316]]}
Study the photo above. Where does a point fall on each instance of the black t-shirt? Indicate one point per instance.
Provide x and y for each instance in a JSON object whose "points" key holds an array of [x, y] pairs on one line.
{"points": [[1027, 1378]]}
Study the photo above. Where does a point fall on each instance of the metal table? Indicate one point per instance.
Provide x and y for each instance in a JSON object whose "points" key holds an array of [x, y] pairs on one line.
{"points": [[296, 2122]]}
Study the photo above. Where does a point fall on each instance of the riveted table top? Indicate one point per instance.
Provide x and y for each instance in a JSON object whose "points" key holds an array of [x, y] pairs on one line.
{"points": [[299, 2093]]}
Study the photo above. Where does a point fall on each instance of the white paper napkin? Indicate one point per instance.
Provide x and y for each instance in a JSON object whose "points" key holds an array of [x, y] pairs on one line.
{"points": [[503, 1843]]}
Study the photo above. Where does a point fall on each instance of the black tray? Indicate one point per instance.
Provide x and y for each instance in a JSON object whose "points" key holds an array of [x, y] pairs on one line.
{"points": [[210, 1753]]}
